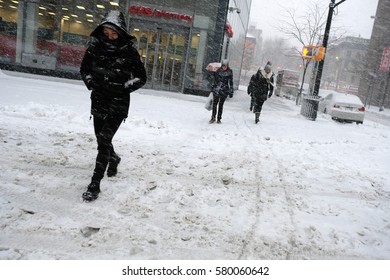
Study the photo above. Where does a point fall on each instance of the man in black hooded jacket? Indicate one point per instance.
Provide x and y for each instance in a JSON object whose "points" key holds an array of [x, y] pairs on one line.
{"points": [[112, 69]]}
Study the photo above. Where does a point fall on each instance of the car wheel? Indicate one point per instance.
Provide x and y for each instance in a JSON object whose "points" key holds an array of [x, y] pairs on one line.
{"points": [[359, 122]]}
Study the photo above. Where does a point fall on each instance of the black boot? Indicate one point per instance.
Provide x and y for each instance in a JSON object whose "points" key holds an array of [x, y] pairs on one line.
{"points": [[212, 120], [112, 169], [92, 192], [257, 115]]}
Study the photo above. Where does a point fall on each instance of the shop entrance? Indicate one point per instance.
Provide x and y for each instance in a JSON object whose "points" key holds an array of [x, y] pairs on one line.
{"points": [[163, 50]]}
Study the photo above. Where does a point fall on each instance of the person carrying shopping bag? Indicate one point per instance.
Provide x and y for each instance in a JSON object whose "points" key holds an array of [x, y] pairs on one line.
{"points": [[221, 89]]}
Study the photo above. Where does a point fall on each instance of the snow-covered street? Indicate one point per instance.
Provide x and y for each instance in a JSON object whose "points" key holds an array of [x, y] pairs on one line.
{"points": [[287, 188]]}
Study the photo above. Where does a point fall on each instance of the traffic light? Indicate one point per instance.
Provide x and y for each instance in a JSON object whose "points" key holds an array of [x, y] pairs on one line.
{"points": [[316, 53], [307, 52]]}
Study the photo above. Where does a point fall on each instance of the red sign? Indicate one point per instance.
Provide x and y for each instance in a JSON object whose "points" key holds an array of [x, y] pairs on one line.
{"points": [[150, 12], [385, 61]]}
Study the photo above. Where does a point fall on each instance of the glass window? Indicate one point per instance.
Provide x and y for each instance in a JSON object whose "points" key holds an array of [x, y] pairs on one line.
{"points": [[78, 19], [47, 28], [8, 30]]}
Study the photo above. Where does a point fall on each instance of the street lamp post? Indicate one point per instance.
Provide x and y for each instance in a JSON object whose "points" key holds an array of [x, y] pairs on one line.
{"points": [[310, 106]]}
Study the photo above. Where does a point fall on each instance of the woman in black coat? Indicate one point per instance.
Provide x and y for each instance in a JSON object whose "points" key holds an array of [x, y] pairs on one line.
{"points": [[112, 69], [222, 88], [261, 87]]}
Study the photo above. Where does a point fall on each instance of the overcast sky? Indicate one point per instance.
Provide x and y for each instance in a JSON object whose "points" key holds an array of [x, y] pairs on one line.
{"points": [[353, 15]]}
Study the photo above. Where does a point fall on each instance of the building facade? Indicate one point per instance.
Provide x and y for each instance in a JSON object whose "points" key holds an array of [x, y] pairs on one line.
{"points": [[344, 64], [177, 39], [375, 81], [252, 54]]}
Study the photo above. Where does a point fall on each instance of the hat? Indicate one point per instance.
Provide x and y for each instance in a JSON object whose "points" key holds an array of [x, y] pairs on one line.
{"points": [[267, 68], [225, 62]]}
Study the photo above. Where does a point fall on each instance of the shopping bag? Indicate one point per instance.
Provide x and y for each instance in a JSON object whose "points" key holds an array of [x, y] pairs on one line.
{"points": [[209, 102]]}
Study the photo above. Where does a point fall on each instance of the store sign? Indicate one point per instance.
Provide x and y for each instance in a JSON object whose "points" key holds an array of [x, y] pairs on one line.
{"points": [[385, 61], [151, 12]]}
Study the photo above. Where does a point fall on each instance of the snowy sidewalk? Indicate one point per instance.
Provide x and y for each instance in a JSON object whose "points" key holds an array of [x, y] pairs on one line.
{"points": [[287, 188]]}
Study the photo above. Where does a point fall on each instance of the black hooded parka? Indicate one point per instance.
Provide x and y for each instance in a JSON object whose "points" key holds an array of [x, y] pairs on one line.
{"points": [[261, 85], [107, 65]]}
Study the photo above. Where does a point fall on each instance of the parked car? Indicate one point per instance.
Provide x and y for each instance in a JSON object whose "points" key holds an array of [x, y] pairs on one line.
{"points": [[343, 107]]}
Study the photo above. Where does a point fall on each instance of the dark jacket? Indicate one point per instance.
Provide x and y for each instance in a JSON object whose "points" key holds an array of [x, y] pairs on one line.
{"points": [[261, 85], [106, 67], [223, 82]]}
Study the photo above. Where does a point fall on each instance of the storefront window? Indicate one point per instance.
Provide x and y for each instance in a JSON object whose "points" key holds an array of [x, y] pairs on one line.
{"points": [[78, 20], [8, 30], [47, 31], [52, 34]]}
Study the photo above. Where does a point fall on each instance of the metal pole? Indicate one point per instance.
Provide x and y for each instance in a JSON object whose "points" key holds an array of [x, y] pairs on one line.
{"points": [[311, 103]]}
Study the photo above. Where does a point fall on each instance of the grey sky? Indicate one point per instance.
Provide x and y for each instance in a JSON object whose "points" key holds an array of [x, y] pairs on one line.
{"points": [[353, 15]]}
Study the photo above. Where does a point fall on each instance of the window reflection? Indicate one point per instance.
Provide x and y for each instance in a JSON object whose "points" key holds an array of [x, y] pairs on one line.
{"points": [[8, 30]]}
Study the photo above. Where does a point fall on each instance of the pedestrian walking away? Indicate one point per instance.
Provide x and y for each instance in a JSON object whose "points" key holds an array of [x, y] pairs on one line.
{"points": [[221, 89], [260, 88], [111, 68]]}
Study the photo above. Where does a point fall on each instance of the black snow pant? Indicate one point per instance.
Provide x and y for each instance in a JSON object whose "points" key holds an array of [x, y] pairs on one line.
{"points": [[258, 105], [105, 130], [218, 101], [253, 102]]}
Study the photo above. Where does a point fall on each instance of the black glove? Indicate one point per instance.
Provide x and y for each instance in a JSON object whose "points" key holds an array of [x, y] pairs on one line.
{"points": [[269, 95], [91, 84], [231, 95]]}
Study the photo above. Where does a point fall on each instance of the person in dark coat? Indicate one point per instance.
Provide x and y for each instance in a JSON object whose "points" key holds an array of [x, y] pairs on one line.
{"points": [[222, 88], [253, 99], [261, 87], [111, 69]]}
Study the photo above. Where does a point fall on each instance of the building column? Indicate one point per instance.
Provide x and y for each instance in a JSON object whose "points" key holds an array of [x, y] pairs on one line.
{"points": [[26, 39], [30, 39]]}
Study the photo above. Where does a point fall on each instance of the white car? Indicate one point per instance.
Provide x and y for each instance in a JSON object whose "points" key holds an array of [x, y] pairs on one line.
{"points": [[343, 107]]}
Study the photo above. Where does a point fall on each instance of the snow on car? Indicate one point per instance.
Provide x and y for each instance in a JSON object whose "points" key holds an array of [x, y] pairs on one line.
{"points": [[343, 107]]}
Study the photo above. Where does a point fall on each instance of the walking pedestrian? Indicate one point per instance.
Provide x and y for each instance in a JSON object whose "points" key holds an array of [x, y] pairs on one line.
{"points": [[260, 88], [111, 68], [222, 88], [253, 98]]}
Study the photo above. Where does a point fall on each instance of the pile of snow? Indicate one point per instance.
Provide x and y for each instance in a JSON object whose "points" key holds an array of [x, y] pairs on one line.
{"points": [[287, 188]]}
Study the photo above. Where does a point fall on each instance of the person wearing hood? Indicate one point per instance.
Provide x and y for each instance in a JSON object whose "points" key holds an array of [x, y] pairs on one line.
{"points": [[260, 88], [221, 89], [111, 68]]}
